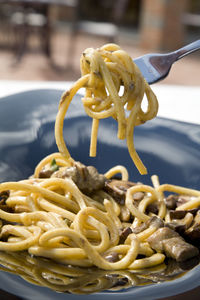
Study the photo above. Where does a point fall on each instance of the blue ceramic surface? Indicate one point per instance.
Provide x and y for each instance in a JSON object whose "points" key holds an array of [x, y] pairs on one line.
{"points": [[168, 148]]}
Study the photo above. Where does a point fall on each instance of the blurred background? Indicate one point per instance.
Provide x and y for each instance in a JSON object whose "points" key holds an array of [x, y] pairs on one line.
{"points": [[43, 39]]}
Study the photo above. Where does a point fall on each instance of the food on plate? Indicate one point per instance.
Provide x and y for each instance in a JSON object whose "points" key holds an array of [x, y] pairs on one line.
{"points": [[68, 216], [72, 214]]}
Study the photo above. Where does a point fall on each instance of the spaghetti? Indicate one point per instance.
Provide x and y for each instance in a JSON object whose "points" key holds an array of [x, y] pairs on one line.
{"points": [[68, 212], [114, 87], [52, 218]]}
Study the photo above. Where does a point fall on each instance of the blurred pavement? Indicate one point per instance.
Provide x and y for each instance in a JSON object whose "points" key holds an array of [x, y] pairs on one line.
{"points": [[36, 66]]}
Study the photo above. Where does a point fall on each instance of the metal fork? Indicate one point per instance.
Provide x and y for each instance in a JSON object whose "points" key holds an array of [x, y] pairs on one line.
{"points": [[155, 66]]}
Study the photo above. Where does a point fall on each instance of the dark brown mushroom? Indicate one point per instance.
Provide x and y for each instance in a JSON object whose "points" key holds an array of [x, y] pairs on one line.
{"points": [[182, 199], [152, 208], [124, 234], [140, 228], [155, 222], [181, 224], [193, 232], [178, 249], [174, 246], [180, 214], [86, 178], [45, 173], [4, 196], [171, 200], [174, 200], [118, 188], [112, 257], [49, 169]]}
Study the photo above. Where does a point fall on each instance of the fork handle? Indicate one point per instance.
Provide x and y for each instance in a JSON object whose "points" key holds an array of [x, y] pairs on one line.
{"points": [[180, 53]]}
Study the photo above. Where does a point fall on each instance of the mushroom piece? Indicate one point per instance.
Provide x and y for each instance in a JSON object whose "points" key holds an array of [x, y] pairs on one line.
{"points": [[182, 199], [168, 241], [193, 232], [174, 200], [180, 214], [4, 195], [86, 178], [180, 225], [112, 256], [171, 201], [49, 169], [178, 249], [118, 188], [124, 234], [140, 228], [152, 208], [153, 221], [45, 173]]}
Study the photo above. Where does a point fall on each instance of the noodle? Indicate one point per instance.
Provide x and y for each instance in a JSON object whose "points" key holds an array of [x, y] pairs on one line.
{"points": [[70, 227], [52, 215], [105, 73]]}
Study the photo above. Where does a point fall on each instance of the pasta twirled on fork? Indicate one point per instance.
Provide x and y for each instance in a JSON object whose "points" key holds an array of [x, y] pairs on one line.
{"points": [[114, 87]]}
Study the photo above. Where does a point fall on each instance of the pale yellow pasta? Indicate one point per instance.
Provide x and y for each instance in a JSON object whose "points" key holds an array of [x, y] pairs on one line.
{"points": [[54, 218], [47, 160], [115, 170], [73, 228], [65, 225], [147, 262], [105, 73], [162, 206], [194, 203], [129, 201]]}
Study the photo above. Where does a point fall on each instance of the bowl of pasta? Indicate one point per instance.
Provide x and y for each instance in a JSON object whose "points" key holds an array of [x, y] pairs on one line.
{"points": [[120, 222]]}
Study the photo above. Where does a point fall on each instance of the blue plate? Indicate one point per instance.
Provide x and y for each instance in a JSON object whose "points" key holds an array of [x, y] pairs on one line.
{"points": [[168, 148]]}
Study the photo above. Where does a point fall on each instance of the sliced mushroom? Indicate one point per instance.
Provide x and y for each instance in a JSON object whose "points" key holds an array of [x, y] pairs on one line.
{"points": [[178, 249], [124, 234], [152, 208], [140, 228], [112, 257], [118, 188], [49, 169], [180, 225], [174, 200], [87, 178], [168, 241], [45, 173], [155, 221], [157, 238], [193, 232], [171, 201], [152, 222], [180, 214], [182, 199], [4, 196]]}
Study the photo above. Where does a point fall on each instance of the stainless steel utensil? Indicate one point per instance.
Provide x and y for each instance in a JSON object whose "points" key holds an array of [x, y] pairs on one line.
{"points": [[155, 66]]}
